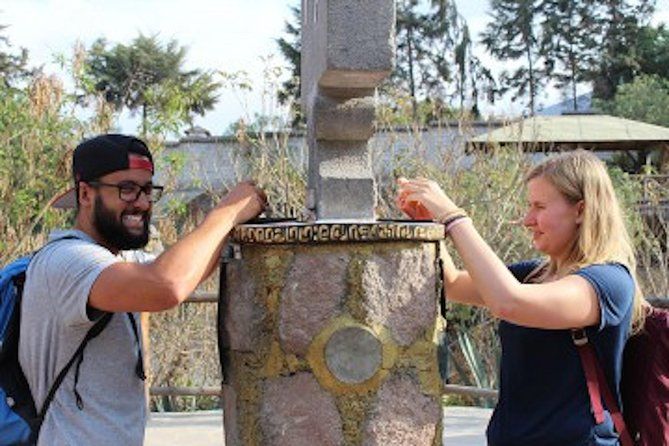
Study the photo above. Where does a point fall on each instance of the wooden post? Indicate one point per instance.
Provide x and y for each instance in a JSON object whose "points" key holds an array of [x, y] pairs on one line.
{"points": [[664, 158]]}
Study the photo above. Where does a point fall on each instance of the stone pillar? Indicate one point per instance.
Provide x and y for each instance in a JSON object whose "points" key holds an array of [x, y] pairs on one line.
{"points": [[328, 328], [347, 50]]}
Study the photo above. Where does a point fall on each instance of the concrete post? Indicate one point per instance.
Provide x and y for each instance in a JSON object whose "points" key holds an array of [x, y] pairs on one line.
{"points": [[347, 50]]}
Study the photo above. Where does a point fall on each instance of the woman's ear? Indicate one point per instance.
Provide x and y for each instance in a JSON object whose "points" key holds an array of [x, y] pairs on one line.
{"points": [[580, 209]]}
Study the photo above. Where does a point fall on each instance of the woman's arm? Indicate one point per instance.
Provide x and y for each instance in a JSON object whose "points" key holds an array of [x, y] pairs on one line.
{"points": [[457, 283], [569, 302], [565, 303]]}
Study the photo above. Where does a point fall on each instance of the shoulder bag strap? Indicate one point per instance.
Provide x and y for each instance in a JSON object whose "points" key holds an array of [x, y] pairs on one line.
{"points": [[598, 387]]}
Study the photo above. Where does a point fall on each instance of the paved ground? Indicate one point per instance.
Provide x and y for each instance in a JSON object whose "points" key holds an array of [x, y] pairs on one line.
{"points": [[203, 428], [463, 426]]}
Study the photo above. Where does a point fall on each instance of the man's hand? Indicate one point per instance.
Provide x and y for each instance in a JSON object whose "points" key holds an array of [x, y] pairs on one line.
{"points": [[246, 200]]}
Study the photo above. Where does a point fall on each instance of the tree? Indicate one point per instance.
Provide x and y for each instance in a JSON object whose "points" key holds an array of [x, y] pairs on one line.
{"points": [[431, 38], [13, 67], [435, 58], [513, 35], [412, 70], [290, 47], [412, 73], [644, 99], [149, 76], [472, 77], [652, 48], [37, 133], [619, 26], [568, 43], [458, 76]]}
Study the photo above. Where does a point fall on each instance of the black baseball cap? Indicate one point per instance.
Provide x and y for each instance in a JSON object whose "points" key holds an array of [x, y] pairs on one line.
{"points": [[100, 156]]}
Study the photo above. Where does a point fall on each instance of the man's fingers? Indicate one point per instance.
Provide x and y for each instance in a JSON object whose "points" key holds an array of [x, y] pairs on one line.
{"points": [[262, 196]]}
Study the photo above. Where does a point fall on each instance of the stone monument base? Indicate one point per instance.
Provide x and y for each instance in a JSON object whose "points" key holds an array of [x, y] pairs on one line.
{"points": [[330, 334]]}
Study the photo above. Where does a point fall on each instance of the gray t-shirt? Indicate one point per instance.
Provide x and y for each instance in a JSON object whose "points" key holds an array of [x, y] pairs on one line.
{"points": [[54, 321]]}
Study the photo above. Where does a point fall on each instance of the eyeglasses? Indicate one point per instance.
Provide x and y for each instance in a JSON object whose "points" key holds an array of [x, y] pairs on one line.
{"points": [[129, 191]]}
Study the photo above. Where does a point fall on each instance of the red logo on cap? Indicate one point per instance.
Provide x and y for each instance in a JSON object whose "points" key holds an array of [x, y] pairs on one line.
{"points": [[139, 162]]}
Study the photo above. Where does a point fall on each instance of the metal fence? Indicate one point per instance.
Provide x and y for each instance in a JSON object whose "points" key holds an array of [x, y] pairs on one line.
{"points": [[198, 297]]}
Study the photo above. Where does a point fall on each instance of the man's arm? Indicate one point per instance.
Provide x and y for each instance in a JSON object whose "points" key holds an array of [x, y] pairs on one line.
{"points": [[172, 277]]}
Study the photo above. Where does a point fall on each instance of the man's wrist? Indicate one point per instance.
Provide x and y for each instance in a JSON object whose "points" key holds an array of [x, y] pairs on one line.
{"points": [[224, 214]]}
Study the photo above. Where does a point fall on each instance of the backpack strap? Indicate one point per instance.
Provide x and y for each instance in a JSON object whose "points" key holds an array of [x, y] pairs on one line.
{"points": [[598, 387], [78, 355], [139, 367]]}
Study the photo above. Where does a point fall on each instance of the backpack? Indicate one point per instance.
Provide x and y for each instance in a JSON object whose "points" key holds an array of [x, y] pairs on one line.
{"points": [[645, 381], [644, 385], [19, 419]]}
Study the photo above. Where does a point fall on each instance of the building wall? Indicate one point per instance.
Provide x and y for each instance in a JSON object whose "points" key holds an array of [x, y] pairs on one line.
{"points": [[198, 164]]}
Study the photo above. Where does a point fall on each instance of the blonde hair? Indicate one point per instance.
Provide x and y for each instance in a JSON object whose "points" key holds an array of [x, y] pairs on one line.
{"points": [[602, 236]]}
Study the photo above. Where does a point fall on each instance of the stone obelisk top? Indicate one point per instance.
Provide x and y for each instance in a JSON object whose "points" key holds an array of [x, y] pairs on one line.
{"points": [[348, 48]]}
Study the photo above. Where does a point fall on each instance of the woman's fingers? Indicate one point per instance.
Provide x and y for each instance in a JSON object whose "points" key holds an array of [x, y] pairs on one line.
{"points": [[422, 193], [409, 193], [410, 185]]}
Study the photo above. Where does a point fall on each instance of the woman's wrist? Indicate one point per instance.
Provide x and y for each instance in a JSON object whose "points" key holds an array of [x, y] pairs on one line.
{"points": [[446, 217], [452, 218], [455, 221]]}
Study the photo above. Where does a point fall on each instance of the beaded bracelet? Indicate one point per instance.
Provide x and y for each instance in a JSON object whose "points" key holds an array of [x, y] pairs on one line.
{"points": [[452, 218], [454, 222]]}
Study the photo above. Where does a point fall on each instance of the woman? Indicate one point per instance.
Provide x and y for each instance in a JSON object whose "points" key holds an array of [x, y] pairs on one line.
{"points": [[586, 280]]}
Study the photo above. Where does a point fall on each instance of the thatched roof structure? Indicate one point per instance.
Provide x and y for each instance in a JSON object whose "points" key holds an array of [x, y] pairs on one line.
{"points": [[588, 131]]}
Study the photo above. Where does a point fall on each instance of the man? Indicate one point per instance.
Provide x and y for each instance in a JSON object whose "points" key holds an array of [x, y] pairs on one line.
{"points": [[79, 278]]}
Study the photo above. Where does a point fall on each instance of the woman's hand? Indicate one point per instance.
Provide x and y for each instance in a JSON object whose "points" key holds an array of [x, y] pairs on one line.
{"points": [[414, 194]]}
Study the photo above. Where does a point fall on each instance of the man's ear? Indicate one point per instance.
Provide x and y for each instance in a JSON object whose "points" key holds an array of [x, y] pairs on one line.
{"points": [[86, 197]]}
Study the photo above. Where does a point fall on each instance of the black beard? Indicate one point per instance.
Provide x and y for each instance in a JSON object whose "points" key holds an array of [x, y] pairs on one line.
{"points": [[113, 232]]}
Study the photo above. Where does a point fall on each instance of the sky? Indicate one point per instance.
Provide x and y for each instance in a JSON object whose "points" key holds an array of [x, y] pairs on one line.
{"points": [[225, 35]]}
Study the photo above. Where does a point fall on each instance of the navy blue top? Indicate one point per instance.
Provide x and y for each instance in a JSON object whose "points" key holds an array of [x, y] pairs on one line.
{"points": [[543, 398]]}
